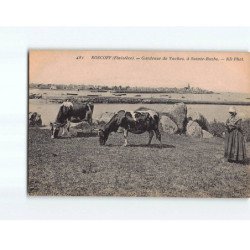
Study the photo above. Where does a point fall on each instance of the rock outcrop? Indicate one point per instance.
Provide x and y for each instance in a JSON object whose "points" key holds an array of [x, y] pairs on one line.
{"points": [[206, 134], [167, 125], [105, 117], [178, 114], [83, 126], [193, 129], [200, 119]]}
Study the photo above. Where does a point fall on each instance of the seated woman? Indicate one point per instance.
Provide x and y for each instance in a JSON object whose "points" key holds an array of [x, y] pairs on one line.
{"points": [[235, 149]]}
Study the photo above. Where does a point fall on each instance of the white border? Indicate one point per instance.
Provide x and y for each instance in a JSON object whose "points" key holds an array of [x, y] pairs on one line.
{"points": [[124, 13], [123, 235], [14, 44]]}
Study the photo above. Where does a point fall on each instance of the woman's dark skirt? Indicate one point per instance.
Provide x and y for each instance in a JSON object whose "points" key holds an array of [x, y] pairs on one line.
{"points": [[235, 148]]}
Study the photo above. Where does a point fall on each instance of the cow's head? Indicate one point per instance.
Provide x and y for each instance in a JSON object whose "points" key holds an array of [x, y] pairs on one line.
{"points": [[55, 128], [103, 137]]}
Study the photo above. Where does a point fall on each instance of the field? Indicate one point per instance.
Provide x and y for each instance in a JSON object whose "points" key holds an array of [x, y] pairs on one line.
{"points": [[183, 167]]}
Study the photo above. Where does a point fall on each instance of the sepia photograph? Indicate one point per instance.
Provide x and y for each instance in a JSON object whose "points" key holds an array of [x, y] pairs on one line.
{"points": [[138, 123]]}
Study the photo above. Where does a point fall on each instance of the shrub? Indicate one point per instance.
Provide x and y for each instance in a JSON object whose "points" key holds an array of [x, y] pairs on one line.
{"points": [[246, 129], [219, 128]]}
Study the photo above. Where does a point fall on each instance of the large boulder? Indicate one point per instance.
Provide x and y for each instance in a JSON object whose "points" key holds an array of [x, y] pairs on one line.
{"points": [[83, 126], [178, 114], [200, 119], [193, 129], [105, 117], [167, 125], [206, 134]]}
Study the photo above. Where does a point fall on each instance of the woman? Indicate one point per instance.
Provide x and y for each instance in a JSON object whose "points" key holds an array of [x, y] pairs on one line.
{"points": [[235, 149]]}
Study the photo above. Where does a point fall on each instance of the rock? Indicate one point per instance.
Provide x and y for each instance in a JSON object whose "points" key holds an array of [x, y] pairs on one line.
{"points": [[178, 114], [193, 129], [84, 126], [167, 125], [105, 117], [200, 119], [206, 134]]}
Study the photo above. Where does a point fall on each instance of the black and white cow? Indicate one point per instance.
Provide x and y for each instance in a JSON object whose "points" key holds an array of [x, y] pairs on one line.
{"points": [[136, 122], [69, 112]]}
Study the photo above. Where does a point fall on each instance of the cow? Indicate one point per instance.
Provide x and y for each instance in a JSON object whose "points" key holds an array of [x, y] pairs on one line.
{"points": [[35, 119], [69, 112], [136, 122]]}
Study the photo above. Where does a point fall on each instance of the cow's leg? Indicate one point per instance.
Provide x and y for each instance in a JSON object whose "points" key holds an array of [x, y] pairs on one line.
{"points": [[125, 133], [151, 134], [90, 119], [63, 130], [66, 129], [68, 126], [158, 135]]}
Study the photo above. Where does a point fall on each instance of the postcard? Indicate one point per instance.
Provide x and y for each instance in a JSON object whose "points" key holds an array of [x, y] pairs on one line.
{"points": [[138, 123]]}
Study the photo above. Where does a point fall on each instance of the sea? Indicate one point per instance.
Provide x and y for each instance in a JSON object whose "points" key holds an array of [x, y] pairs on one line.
{"points": [[49, 110]]}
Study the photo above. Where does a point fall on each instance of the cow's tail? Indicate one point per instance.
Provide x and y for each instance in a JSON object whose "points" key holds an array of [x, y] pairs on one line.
{"points": [[91, 106], [59, 114]]}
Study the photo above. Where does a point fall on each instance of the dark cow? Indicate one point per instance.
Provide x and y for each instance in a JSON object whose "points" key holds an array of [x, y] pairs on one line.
{"points": [[70, 112], [35, 119], [136, 122]]}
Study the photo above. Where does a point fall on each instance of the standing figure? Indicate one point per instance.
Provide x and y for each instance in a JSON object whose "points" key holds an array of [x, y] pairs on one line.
{"points": [[235, 149]]}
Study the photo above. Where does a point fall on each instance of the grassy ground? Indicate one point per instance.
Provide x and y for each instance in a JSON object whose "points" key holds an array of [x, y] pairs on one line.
{"points": [[184, 167]]}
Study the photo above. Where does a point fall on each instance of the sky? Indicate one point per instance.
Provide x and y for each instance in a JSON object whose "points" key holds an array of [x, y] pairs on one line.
{"points": [[229, 73]]}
